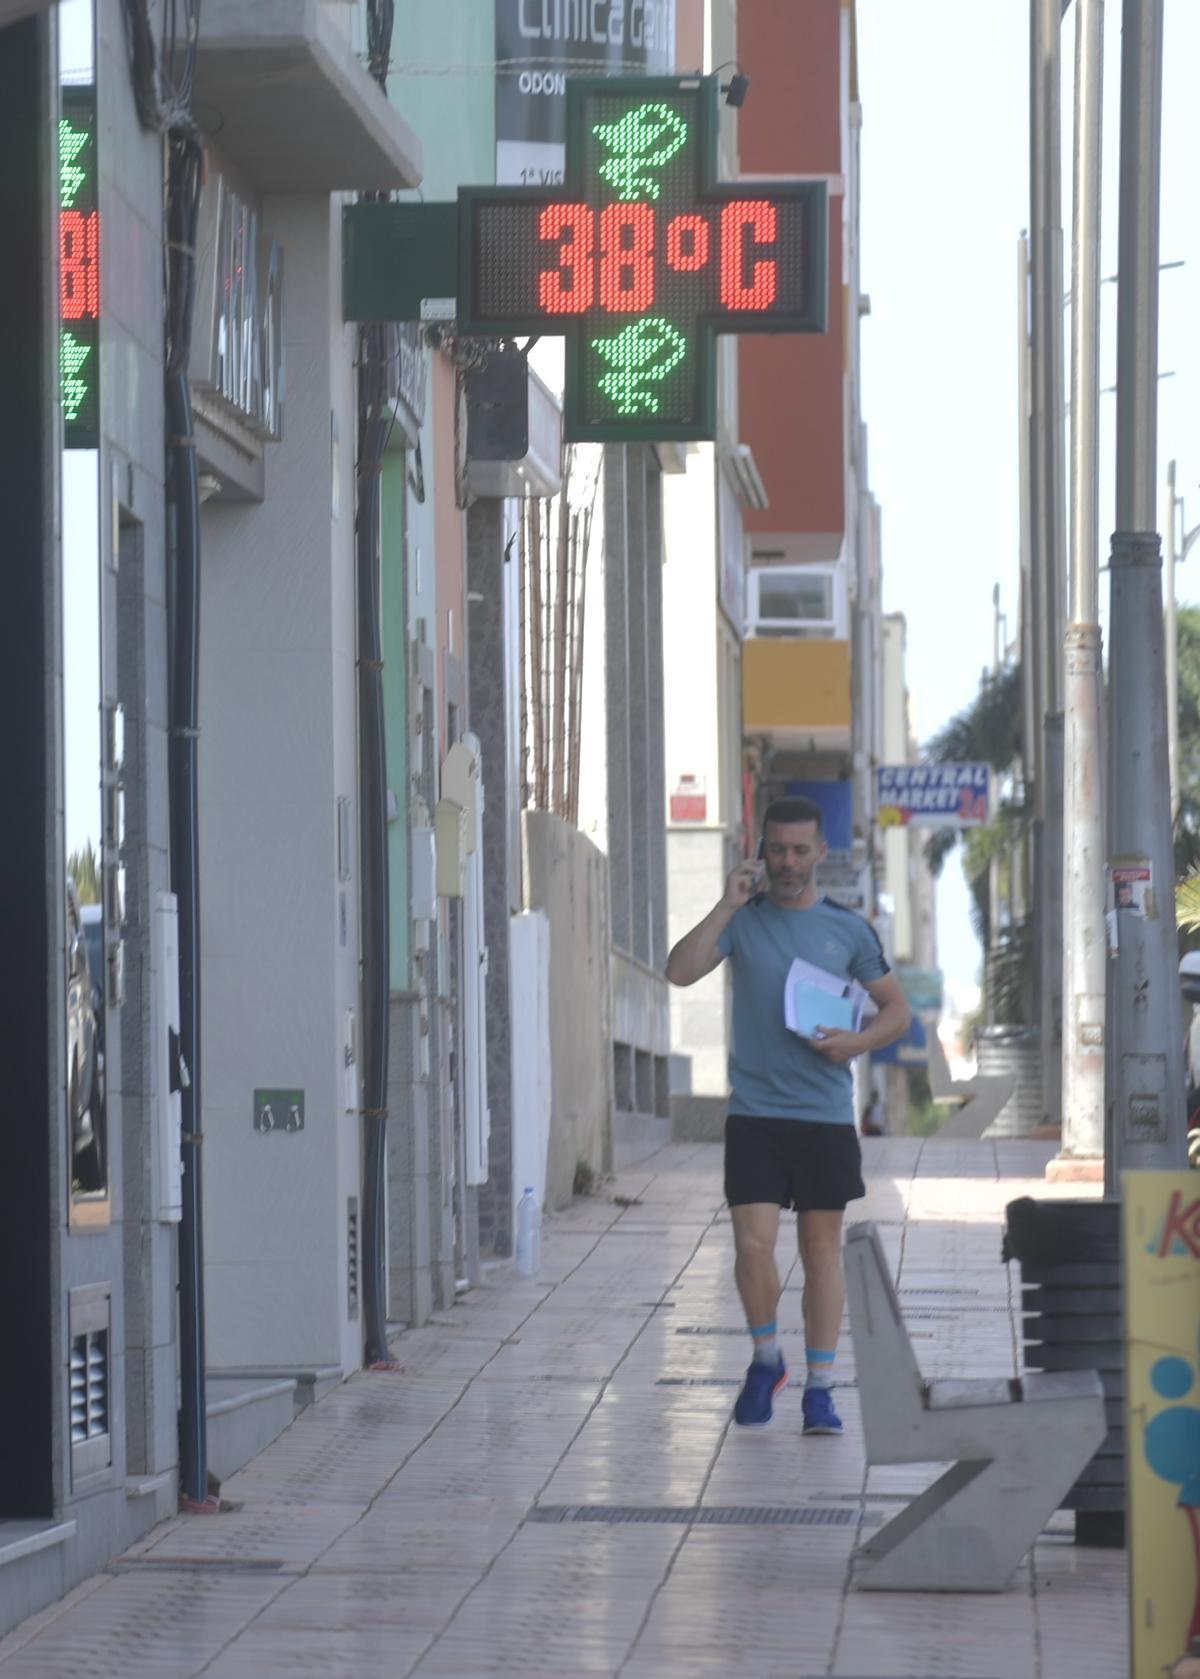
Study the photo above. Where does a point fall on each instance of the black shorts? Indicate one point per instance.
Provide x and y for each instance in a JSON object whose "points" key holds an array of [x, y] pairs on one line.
{"points": [[793, 1162]]}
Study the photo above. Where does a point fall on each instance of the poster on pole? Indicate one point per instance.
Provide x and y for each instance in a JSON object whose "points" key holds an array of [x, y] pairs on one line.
{"points": [[1161, 1254], [539, 43], [933, 795], [1132, 886]]}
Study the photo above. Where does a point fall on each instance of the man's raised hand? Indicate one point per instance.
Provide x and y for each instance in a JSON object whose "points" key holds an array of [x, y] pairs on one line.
{"points": [[743, 883]]}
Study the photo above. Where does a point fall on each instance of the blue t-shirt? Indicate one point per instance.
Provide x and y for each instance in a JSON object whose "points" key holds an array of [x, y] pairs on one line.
{"points": [[773, 1073]]}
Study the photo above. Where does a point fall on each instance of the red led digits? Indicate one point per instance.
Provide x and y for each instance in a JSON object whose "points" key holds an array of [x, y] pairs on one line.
{"points": [[626, 258], [688, 241], [569, 288], [746, 223], [79, 264]]}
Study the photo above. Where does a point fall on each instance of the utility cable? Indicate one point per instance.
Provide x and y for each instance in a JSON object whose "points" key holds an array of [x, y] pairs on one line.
{"points": [[162, 87], [374, 429]]}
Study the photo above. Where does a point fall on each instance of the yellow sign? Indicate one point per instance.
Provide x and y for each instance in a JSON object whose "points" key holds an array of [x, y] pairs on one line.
{"points": [[1161, 1250]]}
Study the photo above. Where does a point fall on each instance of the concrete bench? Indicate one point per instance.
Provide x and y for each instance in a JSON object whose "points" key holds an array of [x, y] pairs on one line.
{"points": [[1014, 1447]]}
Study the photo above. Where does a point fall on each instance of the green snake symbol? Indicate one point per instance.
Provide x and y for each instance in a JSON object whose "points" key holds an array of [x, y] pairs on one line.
{"points": [[72, 356], [71, 142], [645, 139], [639, 357]]}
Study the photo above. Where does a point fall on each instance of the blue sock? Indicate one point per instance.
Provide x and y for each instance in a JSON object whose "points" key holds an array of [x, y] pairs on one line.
{"points": [[820, 1368], [766, 1347]]}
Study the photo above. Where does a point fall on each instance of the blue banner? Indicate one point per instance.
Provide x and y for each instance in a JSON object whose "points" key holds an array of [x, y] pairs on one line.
{"points": [[835, 801]]}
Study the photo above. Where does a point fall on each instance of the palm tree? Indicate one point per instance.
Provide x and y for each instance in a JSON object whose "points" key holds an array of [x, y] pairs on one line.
{"points": [[84, 869], [989, 731]]}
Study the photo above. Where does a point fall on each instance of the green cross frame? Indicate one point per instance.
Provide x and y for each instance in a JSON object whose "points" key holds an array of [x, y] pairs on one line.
{"points": [[639, 259]]}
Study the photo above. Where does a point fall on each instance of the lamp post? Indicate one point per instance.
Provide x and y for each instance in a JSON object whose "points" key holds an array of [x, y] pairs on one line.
{"points": [[1047, 484], [1173, 559], [1145, 1115], [1083, 954]]}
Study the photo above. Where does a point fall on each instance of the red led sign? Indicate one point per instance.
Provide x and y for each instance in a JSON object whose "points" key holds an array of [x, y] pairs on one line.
{"points": [[79, 264], [642, 257]]}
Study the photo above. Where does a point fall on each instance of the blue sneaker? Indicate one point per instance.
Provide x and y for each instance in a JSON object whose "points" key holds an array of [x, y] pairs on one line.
{"points": [[819, 1414], [763, 1382]]}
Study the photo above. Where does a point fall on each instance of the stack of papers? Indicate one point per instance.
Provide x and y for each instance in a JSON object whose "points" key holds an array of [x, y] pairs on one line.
{"points": [[814, 998]]}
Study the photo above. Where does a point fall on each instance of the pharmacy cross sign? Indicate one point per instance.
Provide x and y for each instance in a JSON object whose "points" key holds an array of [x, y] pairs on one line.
{"points": [[641, 257]]}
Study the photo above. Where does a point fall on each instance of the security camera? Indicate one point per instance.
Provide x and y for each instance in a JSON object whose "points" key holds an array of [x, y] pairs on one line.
{"points": [[735, 90]]}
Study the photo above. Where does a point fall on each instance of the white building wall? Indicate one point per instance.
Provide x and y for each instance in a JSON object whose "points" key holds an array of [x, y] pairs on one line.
{"points": [[593, 757], [696, 660], [703, 581], [280, 933]]}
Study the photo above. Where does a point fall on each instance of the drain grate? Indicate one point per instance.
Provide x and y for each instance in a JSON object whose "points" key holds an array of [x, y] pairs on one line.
{"points": [[735, 1515], [698, 1382], [723, 1382], [720, 1329], [955, 1293], [210, 1565]]}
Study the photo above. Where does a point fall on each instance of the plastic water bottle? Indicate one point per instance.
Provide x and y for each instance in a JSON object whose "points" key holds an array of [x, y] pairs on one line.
{"points": [[529, 1235]]}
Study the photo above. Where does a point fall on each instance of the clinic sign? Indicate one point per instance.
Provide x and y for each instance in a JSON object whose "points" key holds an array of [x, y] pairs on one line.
{"points": [[933, 795], [539, 44], [1161, 1253]]}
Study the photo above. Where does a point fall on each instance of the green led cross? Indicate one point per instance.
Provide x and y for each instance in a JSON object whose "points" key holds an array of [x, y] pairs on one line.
{"points": [[642, 256], [638, 259]]}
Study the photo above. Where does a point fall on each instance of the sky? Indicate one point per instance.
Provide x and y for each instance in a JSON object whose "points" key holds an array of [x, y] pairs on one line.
{"points": [[945, 196]]}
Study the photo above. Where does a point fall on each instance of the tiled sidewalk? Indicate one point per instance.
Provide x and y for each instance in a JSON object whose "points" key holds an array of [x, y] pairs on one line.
{"points": [[400, 1527]]}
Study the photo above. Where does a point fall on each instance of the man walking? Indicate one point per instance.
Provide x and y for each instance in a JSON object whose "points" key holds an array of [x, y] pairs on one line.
{"points": [[790, 1138]]}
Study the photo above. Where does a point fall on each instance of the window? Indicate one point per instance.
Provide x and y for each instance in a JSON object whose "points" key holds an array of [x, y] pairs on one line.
{"points": [[797, 602]]}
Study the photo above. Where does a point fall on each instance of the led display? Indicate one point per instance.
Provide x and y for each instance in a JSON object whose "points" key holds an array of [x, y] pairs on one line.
{"points": [[79, 269], [641, 257]]}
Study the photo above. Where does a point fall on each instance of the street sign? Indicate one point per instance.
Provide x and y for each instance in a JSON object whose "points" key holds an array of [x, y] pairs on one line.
{"points": [[933, 795], [639, 259], [1161, 1254], [79, 269], [924, 988]]}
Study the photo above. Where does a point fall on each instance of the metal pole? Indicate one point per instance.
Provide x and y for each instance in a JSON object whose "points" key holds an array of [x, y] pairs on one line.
{"points": [[1035, 491], [1172, 649], [1146, 1095], [1083, 964], [1036, 326], [994, 895], [1030, 708], [1047, 256]]}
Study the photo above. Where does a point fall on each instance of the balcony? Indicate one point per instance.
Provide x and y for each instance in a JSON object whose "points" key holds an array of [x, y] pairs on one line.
{"points": [[796, 692], [282, 93]]}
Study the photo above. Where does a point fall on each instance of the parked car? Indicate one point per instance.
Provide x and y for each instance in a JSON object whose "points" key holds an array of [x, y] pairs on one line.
{"points": [[84, 1055]]}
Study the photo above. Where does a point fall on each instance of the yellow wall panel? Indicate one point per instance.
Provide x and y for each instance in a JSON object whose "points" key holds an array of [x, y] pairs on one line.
{"points": [[795, 684]]}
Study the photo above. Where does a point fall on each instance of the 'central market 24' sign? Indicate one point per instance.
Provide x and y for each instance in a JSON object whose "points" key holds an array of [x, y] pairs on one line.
{"points": [[933, 795]]}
